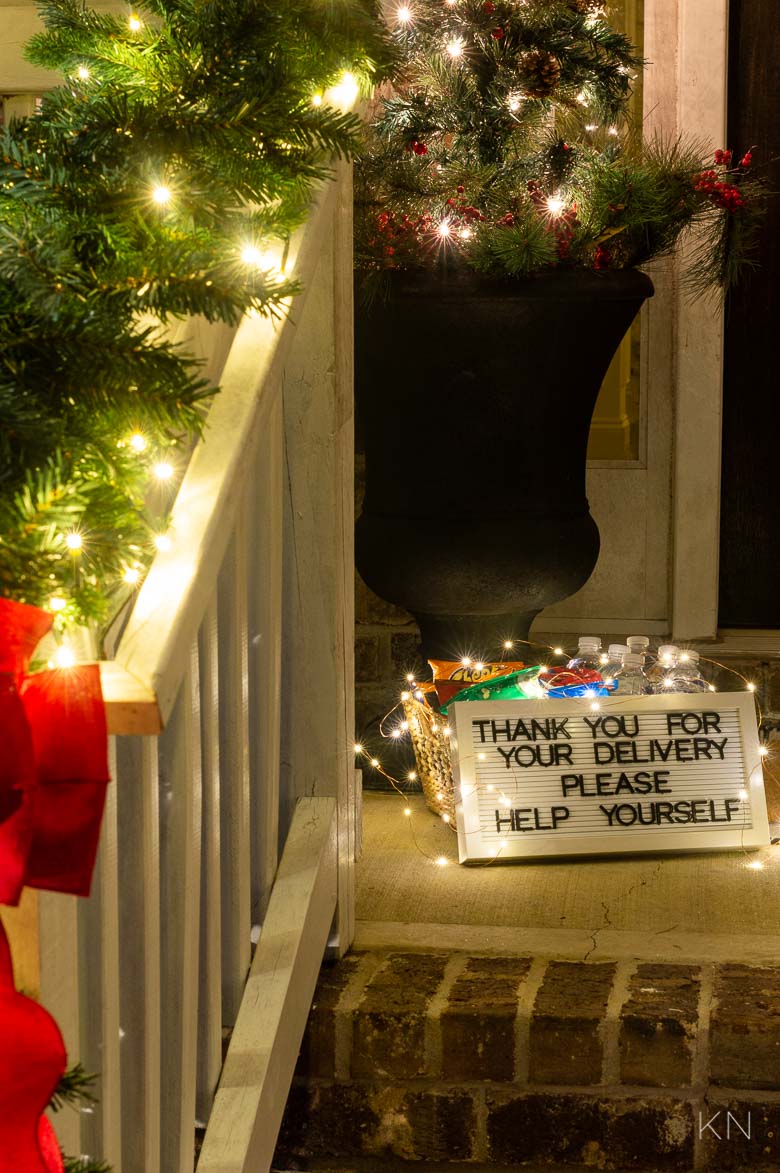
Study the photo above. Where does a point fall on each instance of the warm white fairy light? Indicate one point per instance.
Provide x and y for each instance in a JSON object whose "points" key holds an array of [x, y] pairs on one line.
{"points": [[466, 662], [410, 677], [503, 843], [742, 795], [375, 763], [763, 750], [439, 796], [509, 644], [445, 818], [412, 775], [137, 442], [65, 657], [591, 126], [465, 234], [83, 73], [751, 686], [407, 811], [345, 93], [505, 802], [603, 658], [444, 230], [595, 706], [162, 470], [251, 255], [131, 575], [73, 541], [418, 695], [404, 725], [555, 205], [514, 102], [403, 14], [446, 731], [755, 865], [316, 99], [357, 747], [161, 194], [557, 651], [613, 130], [712, 688], [455, 47], [479, 666], [481, 756], [490, 786], [396, 733], [668, 682], [57, 604], [405, 696], [684, 657], [162, 542], [134, 24]]}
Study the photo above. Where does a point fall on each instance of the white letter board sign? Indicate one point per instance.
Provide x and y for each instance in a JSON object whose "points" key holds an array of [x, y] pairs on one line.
{"points": [[576, 777]]}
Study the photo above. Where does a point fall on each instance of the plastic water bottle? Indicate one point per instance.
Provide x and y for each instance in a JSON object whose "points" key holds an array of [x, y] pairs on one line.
{"points": [[667, 658], [686, 675], [613, 661], [588, 654], [638, 645], [631, 679]]}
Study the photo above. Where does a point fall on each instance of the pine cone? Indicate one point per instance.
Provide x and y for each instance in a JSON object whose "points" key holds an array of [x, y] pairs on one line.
{"points": [[541, 73]]}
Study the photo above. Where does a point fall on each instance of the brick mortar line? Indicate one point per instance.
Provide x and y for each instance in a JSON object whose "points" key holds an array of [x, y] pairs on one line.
{"points": [[479, 1148], [683, 1095], [343, 1012], [700, 1064], [609, 1027], [433, 1043], [526, 1000]]}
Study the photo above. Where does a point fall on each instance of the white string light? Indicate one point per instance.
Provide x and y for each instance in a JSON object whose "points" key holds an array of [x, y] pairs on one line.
{"points": [[455, 47], [403, 14], [161, 195], [131, 575], [134, 23], [57, 604], [162, 470], [137, 442], [83, 73], [555, 205], [73, 541], [162, 542], [65, 657]]}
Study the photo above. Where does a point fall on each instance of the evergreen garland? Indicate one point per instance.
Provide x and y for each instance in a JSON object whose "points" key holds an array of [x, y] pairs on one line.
{"points": [[506, 145], [75, 1088], [182, 142]]}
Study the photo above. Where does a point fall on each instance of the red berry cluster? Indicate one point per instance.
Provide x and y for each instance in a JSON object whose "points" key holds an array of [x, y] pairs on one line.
{"points": [[601, 258], [469, 213], [404, 233], [721, 193], [723, 158], [416, 146]]}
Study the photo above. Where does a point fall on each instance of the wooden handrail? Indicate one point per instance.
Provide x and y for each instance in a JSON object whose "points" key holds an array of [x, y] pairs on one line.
{"points": [[144, 678]]}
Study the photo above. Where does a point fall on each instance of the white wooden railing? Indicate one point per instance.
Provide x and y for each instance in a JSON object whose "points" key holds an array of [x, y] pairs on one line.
{"points": [[229, 701]]}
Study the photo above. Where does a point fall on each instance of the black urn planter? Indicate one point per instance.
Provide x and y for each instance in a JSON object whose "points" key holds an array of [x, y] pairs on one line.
{"points": [[474, 399]]}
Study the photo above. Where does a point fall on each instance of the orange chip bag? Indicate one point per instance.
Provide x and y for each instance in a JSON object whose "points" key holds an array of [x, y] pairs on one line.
{"points": [[452, 676]]}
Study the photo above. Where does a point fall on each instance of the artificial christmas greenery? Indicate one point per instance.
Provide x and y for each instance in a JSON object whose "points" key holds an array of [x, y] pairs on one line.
{"points": [[505, 145], [76, 1090], [183, 140]]}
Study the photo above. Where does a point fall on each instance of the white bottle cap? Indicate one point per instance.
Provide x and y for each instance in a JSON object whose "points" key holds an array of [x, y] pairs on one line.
{"points": [[668, 650], [638, 641], [590, 641], [691, 655], [633, 660], [616, 650]]}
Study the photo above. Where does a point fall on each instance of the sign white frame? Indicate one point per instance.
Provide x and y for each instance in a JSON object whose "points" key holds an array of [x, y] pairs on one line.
{"points": [[478, 843]]}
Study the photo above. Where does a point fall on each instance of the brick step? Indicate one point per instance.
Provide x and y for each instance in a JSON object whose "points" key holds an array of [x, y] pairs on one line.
{"points": [[486, 1062]]}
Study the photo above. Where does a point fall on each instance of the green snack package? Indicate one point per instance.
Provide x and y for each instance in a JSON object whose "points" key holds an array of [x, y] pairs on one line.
{"points": [[520, 685]]}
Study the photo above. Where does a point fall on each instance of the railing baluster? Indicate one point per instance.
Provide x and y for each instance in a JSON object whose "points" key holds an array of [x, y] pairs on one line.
{"points": [[265, 658], [139, 926], [99, 941], [180, 847], [210, 997], [58, 927], [234, 770]]}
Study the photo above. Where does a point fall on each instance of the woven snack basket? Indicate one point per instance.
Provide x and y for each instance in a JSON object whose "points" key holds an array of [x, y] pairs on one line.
{"points": [[432, 753]]}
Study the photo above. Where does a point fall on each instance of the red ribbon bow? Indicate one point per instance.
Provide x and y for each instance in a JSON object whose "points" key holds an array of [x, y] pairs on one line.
{"points": [[54, 765]]}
